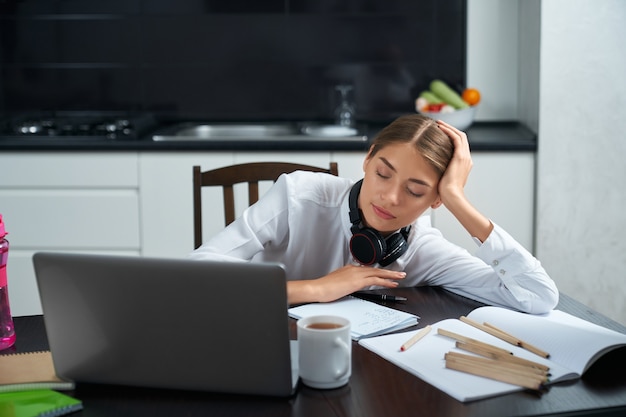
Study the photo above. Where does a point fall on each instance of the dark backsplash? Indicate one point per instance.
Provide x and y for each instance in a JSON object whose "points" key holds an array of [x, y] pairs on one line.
{"points": [[227, 59]]}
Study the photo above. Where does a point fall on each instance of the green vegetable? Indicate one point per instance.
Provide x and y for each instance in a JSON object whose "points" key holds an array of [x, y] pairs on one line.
{"points": [[431, 97], [448, 95]]}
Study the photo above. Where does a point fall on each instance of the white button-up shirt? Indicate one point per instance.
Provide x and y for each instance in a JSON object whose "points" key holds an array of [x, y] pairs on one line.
{"points": [[303, 223]]}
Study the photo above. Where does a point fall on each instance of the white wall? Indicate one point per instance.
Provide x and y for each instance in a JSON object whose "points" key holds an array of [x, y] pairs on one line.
{"points": [[492, 57], [529, 69], [581, 223]]}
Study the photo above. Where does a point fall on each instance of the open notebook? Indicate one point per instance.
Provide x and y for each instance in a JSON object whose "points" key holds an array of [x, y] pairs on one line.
{"points": [[573, 345], [367, 319], [168, 323]]}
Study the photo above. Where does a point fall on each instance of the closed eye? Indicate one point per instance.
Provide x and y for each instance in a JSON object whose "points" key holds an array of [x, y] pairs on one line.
{"points": [[414, 194], [408, 190], [381, 175]]}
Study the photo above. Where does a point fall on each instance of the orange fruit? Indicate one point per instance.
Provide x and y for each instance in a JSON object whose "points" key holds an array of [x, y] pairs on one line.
{"points": [[471, 96]]}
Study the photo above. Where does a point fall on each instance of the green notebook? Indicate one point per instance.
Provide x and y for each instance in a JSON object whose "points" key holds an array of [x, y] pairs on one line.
{"points": [[37, 403]]}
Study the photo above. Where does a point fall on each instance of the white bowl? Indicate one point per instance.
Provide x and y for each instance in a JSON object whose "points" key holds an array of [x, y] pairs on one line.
{"points": [[461, 119]]}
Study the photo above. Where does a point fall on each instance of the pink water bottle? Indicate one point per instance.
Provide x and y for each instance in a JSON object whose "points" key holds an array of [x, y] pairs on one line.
{"points": [[7, 332]]}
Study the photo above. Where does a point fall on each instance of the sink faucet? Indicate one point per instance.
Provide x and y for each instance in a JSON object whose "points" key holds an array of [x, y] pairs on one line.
{"points": [[344, 113]]}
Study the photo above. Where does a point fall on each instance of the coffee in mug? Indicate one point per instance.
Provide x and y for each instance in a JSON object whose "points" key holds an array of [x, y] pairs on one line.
{"points": [[324, 351], [323, 326]]}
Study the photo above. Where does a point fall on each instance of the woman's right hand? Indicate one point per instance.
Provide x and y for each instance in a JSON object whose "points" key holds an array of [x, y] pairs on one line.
{"points": [[341, 282]]}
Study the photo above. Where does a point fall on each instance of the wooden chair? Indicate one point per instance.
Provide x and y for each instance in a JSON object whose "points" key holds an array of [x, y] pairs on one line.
{"points": [[251, 173]]}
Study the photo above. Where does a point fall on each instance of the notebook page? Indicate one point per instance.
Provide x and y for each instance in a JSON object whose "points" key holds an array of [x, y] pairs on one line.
{"points": [[572, 342]]}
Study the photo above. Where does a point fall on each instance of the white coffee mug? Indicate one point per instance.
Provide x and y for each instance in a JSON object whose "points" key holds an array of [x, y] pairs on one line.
{"points": [[324, 351]]}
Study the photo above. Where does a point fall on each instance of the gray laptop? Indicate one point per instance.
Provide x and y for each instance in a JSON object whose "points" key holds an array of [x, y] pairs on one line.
{"points": [[168, 323]]}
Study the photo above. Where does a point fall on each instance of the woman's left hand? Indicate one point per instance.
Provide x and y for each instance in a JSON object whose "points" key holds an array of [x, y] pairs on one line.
{"points": [[452, 184], [454, 179]]}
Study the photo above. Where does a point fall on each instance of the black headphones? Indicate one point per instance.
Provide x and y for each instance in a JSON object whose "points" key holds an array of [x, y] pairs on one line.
{"points": [[367, 245]]}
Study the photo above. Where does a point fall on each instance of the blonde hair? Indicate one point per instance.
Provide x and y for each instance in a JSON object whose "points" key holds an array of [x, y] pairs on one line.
{"points": [[430, 141]]}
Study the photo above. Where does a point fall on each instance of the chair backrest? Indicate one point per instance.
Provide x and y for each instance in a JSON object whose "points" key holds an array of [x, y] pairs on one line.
{"points": [[250, 173]]}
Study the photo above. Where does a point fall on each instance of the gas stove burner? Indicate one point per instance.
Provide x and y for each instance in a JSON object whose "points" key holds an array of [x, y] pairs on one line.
{"points": [[109, 128], [33, 127], [81, 126], [114, 128]]}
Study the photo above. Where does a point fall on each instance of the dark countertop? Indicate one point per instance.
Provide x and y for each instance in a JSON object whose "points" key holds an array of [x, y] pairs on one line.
{"points": [[483, 136]]}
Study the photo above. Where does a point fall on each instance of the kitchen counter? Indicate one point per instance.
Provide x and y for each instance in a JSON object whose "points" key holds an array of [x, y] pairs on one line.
{"points": [[483, 136]]}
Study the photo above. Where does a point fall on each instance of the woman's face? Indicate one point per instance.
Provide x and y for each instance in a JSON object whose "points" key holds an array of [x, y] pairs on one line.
{"points": [[398, 186]]}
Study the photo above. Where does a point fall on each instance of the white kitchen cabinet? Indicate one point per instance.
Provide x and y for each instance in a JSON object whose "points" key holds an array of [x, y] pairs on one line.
{"points": [[501, 186], [74, 202], [167, 199], [140, 203], [350, 163]]}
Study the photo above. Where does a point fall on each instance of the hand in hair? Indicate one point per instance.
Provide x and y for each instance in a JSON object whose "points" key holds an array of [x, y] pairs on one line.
{"points": [[452, 184]]}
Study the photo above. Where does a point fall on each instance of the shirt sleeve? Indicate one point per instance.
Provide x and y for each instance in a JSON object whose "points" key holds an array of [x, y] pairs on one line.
{"points": [[520, 273], [502, 272], [263, 222]]}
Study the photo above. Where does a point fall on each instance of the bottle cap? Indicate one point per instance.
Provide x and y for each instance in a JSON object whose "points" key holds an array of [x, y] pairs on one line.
{"points": [[2, 231]]}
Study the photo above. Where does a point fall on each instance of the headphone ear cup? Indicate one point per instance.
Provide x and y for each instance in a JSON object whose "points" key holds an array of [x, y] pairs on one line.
{"points": [[367, 246], [396, 246]]}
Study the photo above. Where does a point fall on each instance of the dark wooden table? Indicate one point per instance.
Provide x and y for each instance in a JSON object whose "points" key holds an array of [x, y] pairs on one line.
{"points": [[377, 387]]}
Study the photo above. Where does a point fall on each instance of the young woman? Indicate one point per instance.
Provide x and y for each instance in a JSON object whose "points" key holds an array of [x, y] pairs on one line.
{"points": [[335, 236]]}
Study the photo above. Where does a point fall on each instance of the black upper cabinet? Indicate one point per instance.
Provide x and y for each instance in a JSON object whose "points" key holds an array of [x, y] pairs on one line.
{"points": [[227, 59]]}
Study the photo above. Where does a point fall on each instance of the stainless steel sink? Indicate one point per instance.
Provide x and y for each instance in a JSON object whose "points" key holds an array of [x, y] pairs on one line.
{"points": [[257, 132]]}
